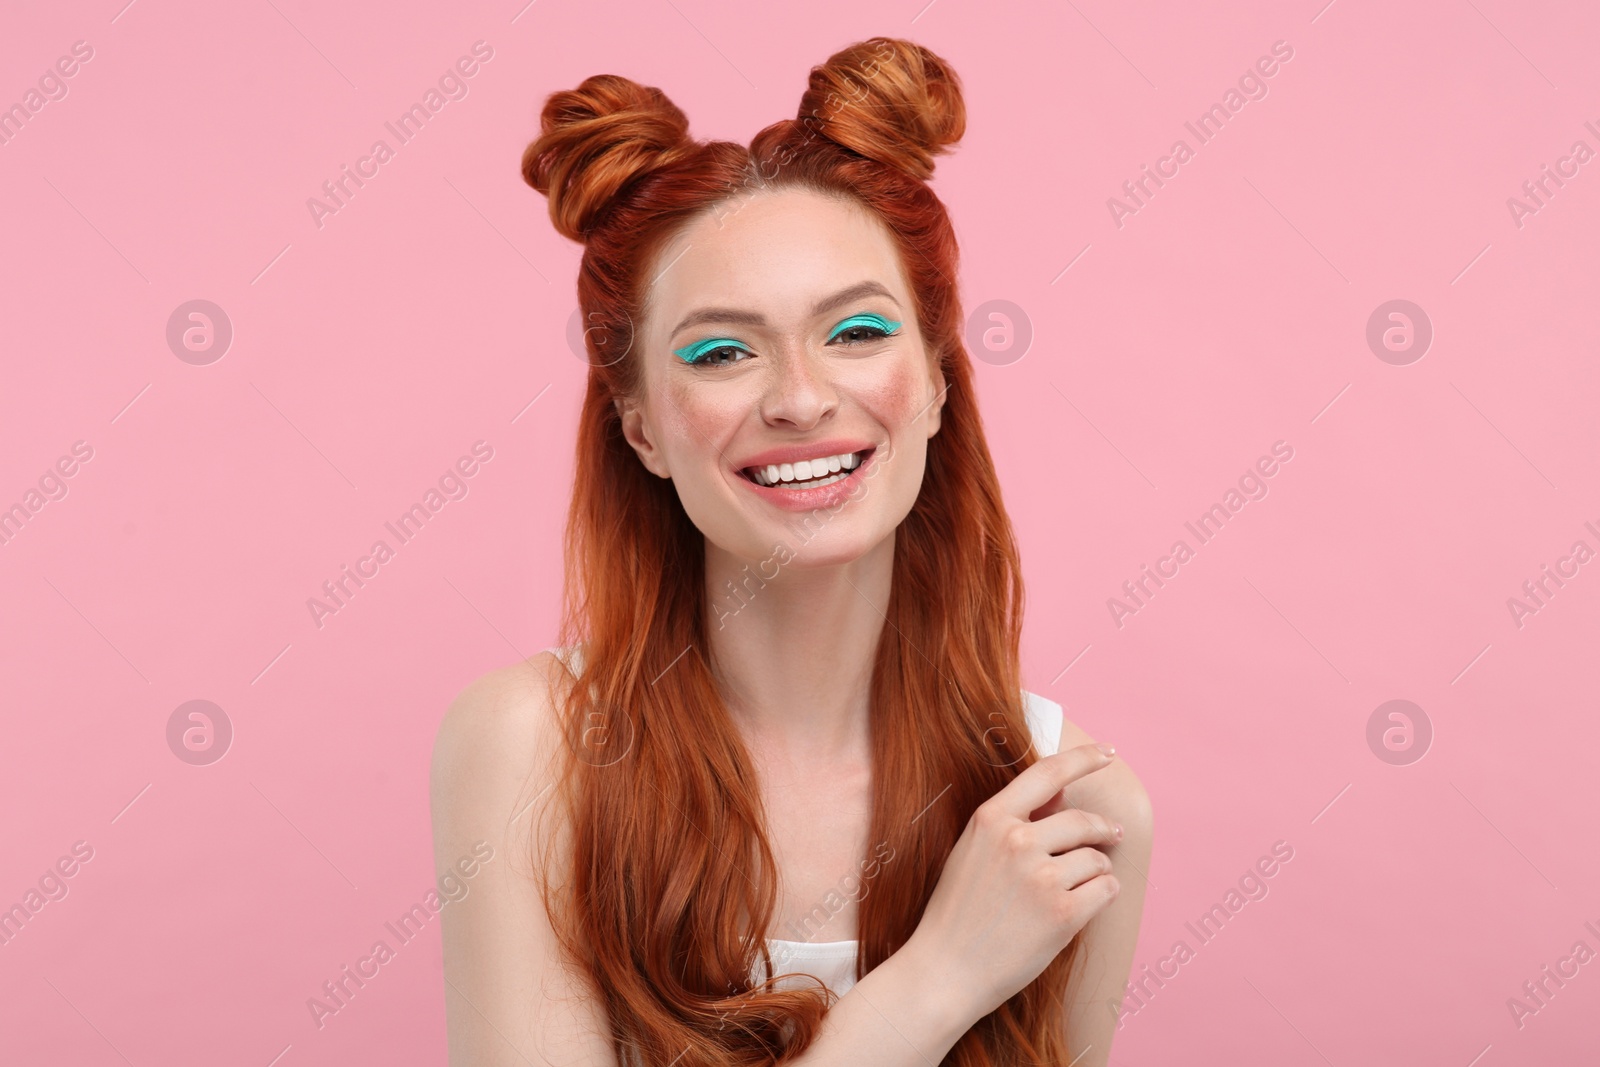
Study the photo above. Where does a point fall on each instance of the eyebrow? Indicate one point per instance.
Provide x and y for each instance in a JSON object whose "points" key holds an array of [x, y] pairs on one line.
{"points": [[755, 318]]}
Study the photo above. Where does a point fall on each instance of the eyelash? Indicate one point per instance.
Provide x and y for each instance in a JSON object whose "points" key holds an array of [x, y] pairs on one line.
{"points": [[867, 322]]}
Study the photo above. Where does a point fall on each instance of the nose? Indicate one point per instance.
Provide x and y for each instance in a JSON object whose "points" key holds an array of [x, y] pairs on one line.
{"points": [[799, 392]]}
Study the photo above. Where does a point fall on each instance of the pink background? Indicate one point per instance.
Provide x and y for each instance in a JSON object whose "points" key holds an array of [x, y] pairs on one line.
{"points": [[1229, 313]]}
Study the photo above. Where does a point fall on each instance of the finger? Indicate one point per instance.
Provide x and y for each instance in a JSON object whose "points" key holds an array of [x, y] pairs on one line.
{"points": [[1034, 787], [1057, 802], [1081, 865], [1075, 828], [1089, 898]]}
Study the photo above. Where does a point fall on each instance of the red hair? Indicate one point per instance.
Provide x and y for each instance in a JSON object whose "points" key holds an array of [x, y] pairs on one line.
{"points": [[658, 886]]}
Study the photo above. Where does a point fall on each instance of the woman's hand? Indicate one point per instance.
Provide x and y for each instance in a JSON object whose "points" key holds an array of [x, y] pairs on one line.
{"points": [[1025, 876]]}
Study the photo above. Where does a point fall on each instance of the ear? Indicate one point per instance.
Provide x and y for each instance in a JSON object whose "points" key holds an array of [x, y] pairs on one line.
{"points": [[637, 432], [938, 389]]}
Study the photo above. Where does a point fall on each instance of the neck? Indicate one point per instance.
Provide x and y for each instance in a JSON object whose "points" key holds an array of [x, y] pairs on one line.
{"points": [[794, 652]]}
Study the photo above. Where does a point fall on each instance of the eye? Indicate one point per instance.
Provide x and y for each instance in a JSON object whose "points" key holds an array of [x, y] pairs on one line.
{"points": [[861, 329], [711, 352]]}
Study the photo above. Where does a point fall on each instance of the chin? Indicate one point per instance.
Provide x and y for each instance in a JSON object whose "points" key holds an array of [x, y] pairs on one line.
{"points": [[829, 542], [803, 545], [816, 554]]}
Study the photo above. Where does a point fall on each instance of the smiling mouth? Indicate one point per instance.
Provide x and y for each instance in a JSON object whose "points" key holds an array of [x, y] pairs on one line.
{"points": [[807, 474]]}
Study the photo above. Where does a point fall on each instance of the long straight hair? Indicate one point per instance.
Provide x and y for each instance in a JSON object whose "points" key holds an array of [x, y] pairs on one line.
{"points": [[671, 880]]}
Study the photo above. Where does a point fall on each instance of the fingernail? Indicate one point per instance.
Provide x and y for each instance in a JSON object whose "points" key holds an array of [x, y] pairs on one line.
{"points": [[1107, 749]]}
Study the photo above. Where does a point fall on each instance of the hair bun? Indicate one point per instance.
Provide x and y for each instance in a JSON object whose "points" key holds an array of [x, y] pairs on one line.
{"points": [[597, 139], [890, 100]]}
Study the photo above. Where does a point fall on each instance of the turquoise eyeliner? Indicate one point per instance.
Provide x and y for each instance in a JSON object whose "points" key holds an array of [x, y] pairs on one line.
{"points": [[878, 321], [692, 353]]}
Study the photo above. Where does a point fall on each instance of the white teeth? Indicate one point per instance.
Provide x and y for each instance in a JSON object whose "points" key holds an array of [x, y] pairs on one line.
{"points": [[821, 470]]}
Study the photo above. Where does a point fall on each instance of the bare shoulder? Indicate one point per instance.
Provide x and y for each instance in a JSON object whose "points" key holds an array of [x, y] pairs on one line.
{"points": [[1114, 791], [510, 997], [497, 726], [510, 697]]}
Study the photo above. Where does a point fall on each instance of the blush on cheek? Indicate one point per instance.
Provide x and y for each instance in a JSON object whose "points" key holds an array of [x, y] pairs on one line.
{"points": [[695, 424], [697, 413], [898, 396]]}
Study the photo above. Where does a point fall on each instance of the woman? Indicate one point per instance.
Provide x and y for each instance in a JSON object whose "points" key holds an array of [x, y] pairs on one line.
{"points": [[785, 733]]}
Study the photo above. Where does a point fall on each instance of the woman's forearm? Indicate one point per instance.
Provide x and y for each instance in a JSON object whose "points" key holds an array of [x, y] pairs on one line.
{"points": [[902, 1014]]}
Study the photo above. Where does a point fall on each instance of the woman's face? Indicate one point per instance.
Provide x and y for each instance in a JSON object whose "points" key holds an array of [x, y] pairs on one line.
{"points": [[780, 330]]}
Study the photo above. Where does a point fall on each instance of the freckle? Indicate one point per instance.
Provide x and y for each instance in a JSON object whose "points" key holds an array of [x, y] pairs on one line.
{"points": [[693, 411], [897, 392]]}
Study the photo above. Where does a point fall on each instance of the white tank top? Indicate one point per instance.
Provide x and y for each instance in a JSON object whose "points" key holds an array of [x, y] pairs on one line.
{"points": [[834, 962]]}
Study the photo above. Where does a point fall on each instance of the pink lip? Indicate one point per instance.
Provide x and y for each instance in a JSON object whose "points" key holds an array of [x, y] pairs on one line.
{"points": [[838, 446], [832, 495]]}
